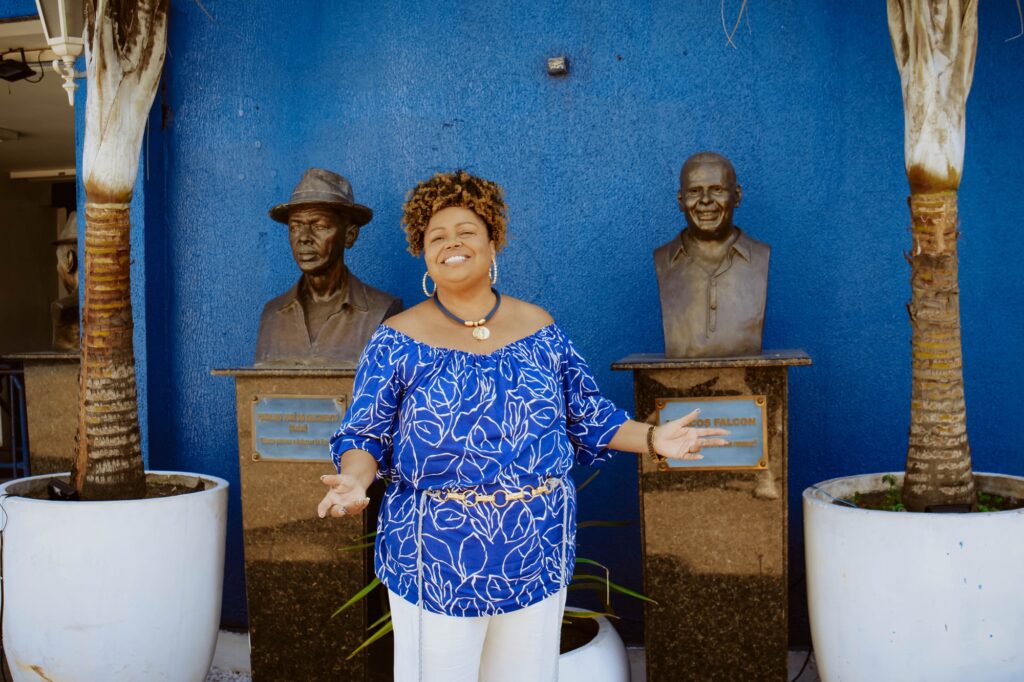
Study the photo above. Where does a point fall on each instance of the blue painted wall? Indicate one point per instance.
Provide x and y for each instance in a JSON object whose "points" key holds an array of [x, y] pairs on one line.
{"points": [[808, 106], [17, 9]]}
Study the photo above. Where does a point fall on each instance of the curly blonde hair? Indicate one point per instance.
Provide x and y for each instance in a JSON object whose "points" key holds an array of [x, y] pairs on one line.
{"points": [[458, 188]]}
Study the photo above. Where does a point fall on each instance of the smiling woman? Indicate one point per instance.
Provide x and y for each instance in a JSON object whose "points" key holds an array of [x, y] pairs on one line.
{"points": [[474, 407], [482, 197], [457, 247]]}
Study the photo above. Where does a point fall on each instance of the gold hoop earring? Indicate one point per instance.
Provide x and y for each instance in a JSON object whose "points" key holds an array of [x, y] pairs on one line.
{"points": [[493, 270], [428, 294]]}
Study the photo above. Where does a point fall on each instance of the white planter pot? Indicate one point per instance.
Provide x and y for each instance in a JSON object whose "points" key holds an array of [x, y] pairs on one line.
{"points": [[602, 659], [902, 596], [104, 591]]}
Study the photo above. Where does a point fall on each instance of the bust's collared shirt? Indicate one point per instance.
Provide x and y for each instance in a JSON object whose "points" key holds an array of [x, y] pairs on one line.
{"points": [[284, 338], [717, 314]]}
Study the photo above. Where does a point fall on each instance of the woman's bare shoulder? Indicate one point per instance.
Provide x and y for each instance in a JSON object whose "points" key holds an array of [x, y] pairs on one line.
{"points": [[527, 314], [411, 320]]}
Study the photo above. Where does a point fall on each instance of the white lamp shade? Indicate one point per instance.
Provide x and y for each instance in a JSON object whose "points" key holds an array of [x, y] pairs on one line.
{"points": [[63, 24]]}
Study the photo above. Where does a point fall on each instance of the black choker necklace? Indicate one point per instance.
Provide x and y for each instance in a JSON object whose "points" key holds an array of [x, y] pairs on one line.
{"points": [[480, 332]]}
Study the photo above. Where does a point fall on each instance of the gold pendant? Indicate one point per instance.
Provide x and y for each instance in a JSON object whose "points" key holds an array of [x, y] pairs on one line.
{"points": [[481, 333]]}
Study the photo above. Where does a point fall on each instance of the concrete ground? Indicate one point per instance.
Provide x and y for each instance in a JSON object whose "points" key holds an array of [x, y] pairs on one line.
{"points": [[231, 662]]}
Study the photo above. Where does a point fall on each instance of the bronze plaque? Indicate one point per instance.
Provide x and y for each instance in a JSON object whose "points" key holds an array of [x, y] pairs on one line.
{"points": [[294, 428], [744, 416]]}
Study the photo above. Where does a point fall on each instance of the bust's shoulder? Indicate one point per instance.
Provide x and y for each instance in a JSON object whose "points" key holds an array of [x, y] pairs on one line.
{"points": [[271, 307], [758, 249], [667, 248], [374, 297], [663, 255]]}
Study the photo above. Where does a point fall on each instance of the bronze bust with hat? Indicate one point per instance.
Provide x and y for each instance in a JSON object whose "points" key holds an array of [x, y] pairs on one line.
{"points": [[326, 317]]}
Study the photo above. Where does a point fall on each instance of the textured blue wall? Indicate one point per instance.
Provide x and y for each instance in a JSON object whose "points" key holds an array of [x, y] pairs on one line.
{"points": [[17, 9], [808, 107]]}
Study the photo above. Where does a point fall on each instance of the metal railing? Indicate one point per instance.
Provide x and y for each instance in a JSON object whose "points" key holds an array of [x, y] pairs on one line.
{"points": [[13, 423]]}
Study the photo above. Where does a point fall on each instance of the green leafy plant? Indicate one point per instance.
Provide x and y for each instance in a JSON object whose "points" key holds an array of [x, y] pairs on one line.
{"points": [[891, 499], [893, 495], [991, 503], [581, 580]]}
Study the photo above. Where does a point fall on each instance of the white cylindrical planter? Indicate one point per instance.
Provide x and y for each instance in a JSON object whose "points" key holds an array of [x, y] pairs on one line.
{"points": [[914, 597], [104, 591], [602, 659]]}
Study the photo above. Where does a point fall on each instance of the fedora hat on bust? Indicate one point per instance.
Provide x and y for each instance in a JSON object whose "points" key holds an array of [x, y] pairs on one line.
{"points": [[319, 187], [68, 233]]}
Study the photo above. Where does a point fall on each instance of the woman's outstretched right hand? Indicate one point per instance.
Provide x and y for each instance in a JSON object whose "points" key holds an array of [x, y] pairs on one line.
{"points": [[346, 496]]}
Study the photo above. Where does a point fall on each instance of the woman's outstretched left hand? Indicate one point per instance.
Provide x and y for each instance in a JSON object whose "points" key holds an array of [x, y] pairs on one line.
{"points": [[346, 496], [678, 440]]}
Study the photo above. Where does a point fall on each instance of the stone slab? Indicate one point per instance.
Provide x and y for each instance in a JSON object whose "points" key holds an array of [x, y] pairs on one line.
{"points": [[286, 372], [64, 356], [715, 542], [768, 358], [296, 577], [51, 403]]}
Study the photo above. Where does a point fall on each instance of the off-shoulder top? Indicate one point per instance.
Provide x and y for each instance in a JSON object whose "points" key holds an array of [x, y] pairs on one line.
{"points": [[446, 419]]}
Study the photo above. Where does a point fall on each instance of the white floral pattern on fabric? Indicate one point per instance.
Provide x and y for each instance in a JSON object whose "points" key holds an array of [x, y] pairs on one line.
{"points": [[443, 419]]}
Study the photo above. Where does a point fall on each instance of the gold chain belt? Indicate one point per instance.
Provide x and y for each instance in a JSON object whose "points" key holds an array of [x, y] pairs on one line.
{"points": [[499, 498]]}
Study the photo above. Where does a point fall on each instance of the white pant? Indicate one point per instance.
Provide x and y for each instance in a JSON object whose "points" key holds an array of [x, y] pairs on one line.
{"points": [[509, 647]]}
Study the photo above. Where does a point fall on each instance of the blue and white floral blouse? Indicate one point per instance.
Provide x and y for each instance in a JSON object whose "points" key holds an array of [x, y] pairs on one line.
{"points": [[446, 419]]}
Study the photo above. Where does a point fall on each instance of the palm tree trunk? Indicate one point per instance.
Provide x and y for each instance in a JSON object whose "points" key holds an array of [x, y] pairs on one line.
{"points": [[938, 457], [125, 45], [108, 463], [934, 42]]}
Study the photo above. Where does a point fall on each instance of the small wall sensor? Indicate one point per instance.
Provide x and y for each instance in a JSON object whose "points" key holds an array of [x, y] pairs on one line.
{"points": [[558, 66]]}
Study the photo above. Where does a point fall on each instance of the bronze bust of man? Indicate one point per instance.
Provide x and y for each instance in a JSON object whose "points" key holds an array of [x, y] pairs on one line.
{"points": [[328, 315], [64, 311], [712, 277]]}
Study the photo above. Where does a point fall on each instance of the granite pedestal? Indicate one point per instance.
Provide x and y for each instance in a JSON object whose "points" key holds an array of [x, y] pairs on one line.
{"points": [[51, 404], [296, 577], [715, 540]]}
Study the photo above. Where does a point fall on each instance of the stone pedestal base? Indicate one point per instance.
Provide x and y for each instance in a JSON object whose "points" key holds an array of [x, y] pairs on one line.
{"points": [[715, 541], [51, 403], [296, 577]]}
